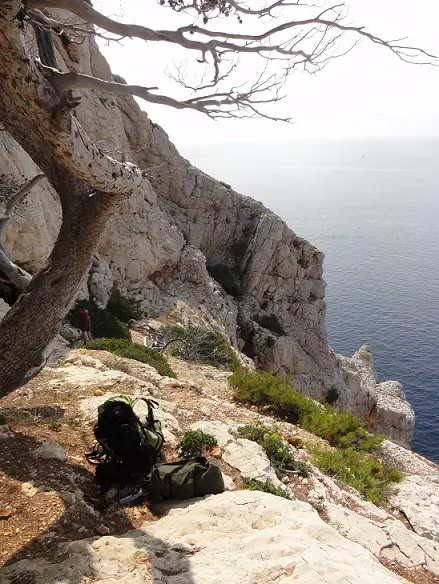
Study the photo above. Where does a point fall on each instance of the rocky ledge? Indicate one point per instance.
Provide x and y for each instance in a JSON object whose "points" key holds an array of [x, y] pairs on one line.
{"points": [[55, 530]]}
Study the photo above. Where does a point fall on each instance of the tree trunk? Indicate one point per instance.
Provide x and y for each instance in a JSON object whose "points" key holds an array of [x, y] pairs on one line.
{"points": [[34, 113], [34, 320]]}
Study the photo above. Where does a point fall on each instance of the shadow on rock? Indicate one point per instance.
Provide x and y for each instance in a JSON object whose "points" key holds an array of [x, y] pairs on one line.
{"points": [[52, 515]]}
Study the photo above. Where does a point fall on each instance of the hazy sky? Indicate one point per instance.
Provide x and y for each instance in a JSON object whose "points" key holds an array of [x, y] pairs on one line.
{"points": [[368, 93]]}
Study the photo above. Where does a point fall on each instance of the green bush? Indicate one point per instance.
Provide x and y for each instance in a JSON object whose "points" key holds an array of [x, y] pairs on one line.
{"points": [[104, 324], [200, 345], [341, 429], [128, 349], [278, 452], [221, 182], [124, 308], [360, 470], [195, 442], [266, 487], [355, 459]]}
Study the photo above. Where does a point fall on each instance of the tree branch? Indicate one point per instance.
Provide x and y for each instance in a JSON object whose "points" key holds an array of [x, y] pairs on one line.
{"points": [[15, 275], [230, 104], [308, 42]]}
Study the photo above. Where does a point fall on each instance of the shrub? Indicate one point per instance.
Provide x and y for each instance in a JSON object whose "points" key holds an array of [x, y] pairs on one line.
{"points": [[128, 349], [266, 487], [195, 443], [124, 308], [355, 458], [226, 185], [341, 429], [104, 324], [360, 470], [200, 345], [278, 452], [55, 426]]}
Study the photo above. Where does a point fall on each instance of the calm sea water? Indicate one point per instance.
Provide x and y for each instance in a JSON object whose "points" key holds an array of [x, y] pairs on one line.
{"points": [[373, 208]]}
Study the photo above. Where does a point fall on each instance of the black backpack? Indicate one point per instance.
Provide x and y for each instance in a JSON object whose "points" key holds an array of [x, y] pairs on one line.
{"points": [[125, 446]]}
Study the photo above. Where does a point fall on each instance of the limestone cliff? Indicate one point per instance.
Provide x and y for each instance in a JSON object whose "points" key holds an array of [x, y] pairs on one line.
{"points": [[187, 244]]}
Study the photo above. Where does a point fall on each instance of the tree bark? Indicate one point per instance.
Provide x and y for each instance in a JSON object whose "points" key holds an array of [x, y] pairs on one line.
{"points": [[90, 186], [34, 320]]}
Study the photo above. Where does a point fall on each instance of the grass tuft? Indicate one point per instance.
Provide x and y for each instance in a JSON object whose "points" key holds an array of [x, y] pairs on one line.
{"points": [[129, 350]]}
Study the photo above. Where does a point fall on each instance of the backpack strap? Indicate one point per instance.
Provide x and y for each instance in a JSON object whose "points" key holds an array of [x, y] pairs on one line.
{"points": [[151, 405]]}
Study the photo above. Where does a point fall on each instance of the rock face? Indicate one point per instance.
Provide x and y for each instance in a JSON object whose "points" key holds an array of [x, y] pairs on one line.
{"points": [[418, 498], [237, 537], [185, 243]]}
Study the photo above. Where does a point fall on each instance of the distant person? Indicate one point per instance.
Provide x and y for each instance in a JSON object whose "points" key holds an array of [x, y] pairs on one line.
{"points": [[85, 326]]}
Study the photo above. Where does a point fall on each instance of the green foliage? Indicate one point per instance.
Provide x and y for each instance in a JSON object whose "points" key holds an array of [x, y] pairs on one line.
{"points": [[195, 442], [266, 487], [200, 345], [126, 348], [55, 426], [124, 308], [355, 459], [341, 429], [104, 324], [360, 470], [221, 182], [278, 452]]}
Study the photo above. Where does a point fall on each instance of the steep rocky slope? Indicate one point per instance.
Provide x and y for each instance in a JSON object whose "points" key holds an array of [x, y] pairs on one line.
{"points": [[55, 529], [186, 244]]}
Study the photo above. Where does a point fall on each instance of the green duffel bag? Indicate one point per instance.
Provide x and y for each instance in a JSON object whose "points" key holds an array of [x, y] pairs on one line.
{"points": [[195, 477]]}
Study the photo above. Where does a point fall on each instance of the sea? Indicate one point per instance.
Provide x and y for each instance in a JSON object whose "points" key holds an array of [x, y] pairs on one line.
{"points": [[372, 206]]}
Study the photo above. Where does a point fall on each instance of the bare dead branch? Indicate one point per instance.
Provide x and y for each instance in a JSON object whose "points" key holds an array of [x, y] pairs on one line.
{"points": [[305, 43], [228, 103]]}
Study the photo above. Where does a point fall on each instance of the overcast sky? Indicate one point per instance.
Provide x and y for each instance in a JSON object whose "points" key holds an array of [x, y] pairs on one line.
{"points": [[368, 93]]}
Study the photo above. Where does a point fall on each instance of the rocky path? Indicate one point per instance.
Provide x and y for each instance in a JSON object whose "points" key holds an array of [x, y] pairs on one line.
{"points": [[54, 528]]}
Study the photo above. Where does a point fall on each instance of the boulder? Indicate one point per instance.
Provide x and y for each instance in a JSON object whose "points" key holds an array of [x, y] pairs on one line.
{"points": [[69, 332], [51, 450], [251, 461], [217, 429]]}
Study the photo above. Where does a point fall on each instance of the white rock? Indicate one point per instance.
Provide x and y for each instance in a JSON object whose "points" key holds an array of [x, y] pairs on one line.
{"points": [[234, 538], [51, 450], [3, 308], [229, 483], [251, 461], [357, 528], [390, 539], [217, 429], [418, 498]]}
